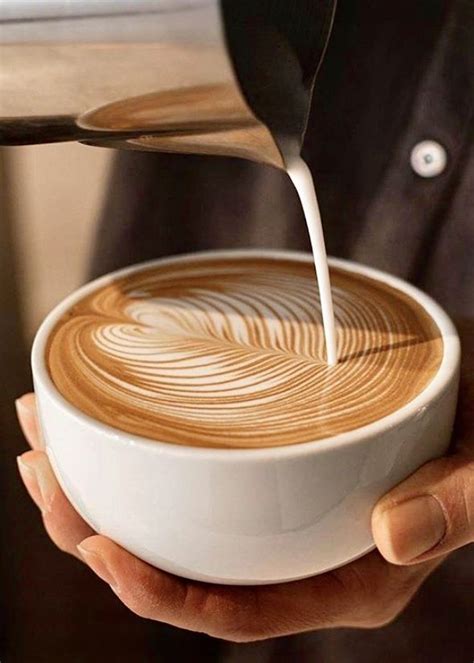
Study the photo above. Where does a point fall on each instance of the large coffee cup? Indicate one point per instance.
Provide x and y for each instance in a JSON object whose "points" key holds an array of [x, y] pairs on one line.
{"points": [[290, 507]]}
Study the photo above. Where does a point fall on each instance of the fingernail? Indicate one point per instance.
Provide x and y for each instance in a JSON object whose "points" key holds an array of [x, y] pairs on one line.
{"points": [[26, 417], [24, 413], [97, 564], [411, 528], [39, 474], [20, 406]]}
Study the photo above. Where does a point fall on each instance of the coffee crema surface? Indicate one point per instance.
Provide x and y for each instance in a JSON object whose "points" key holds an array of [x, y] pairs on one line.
{"points": [[229, 352]]}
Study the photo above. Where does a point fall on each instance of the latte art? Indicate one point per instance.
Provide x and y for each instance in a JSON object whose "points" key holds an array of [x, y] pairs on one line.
{"points": [[229, 352]]}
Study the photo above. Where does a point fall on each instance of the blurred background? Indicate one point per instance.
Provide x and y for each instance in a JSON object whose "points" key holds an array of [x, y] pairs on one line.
{"points": [[52, 220]]}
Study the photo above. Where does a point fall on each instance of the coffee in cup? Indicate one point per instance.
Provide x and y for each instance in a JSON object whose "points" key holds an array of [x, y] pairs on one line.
{"points": [[229, 352]]}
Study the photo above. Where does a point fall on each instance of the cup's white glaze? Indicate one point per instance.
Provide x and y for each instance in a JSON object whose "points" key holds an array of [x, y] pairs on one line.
{"points": [[243, 516]]}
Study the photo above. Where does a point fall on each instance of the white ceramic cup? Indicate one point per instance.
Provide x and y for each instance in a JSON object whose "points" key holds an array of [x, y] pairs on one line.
{"points": [[243, 516]]}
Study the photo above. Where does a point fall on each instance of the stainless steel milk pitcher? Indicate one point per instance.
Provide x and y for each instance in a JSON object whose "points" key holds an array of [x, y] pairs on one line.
{"points": [[227, 77]]}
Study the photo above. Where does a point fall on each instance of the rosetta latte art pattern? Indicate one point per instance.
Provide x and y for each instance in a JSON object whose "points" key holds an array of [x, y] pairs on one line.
{"points": [[230, 353]]}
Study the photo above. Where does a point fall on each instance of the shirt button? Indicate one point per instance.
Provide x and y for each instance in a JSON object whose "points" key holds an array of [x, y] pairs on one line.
{"points": [[428, 158]]}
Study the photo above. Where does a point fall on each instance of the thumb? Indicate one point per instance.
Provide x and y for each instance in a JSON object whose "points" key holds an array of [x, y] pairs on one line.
{"points": [[429, 514]]}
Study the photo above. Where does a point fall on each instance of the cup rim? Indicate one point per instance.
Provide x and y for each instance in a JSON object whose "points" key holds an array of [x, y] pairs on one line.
{"points": [[433, 390]]}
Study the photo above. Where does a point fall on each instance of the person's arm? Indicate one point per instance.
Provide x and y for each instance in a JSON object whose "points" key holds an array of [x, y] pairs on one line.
{"points": [[414, 526]]}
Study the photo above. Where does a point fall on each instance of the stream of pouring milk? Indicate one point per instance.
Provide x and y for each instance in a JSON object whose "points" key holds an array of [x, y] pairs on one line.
{"points": [[302, 179]]}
